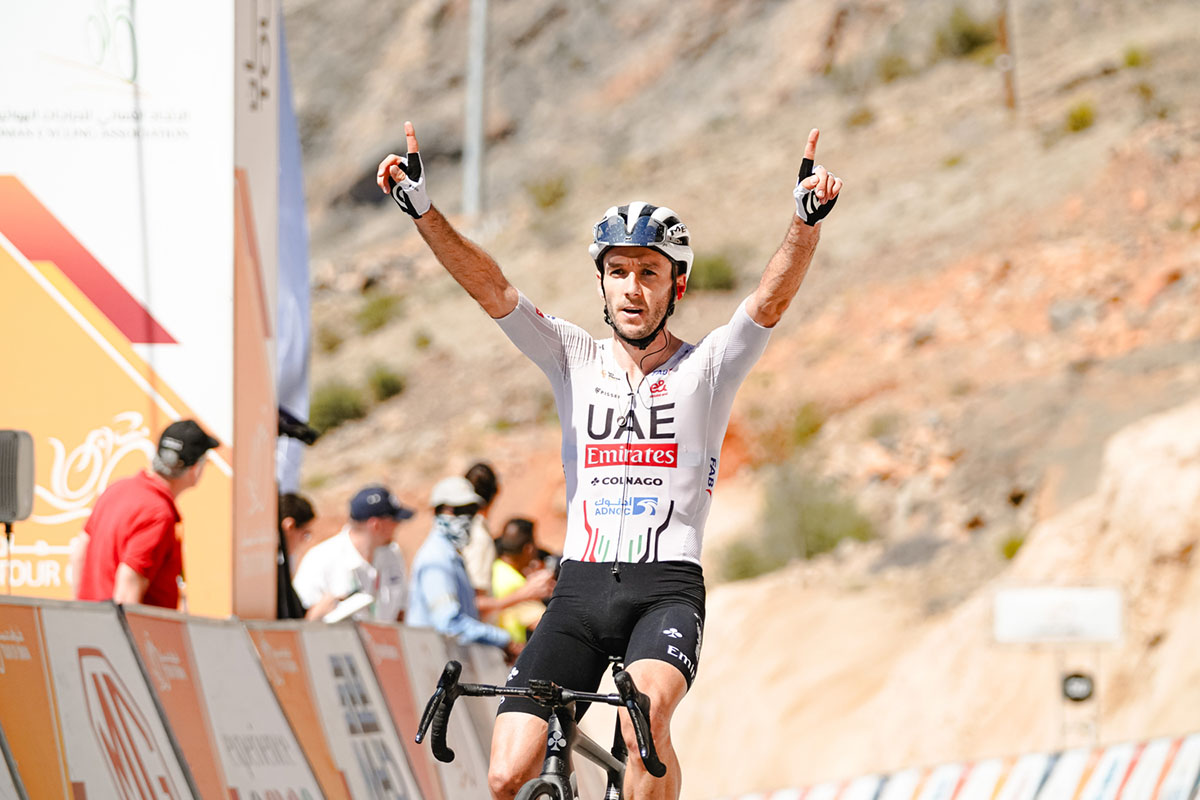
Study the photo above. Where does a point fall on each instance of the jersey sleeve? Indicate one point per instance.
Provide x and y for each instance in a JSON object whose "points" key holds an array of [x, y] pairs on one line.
{"points": [[553, 344], [735, 348], [149, 541]]}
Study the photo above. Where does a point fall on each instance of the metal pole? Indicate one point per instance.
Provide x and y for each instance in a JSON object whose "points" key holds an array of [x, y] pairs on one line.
{"points": [[472, 198]]}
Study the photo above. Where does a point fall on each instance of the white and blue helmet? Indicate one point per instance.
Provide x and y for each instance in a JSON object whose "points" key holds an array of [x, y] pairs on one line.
{"points": [[641, 224]]}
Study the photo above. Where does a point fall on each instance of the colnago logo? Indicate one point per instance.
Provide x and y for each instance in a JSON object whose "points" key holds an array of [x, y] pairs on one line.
{"points": [[633, 455], [631, 507], [127, 743], [630, 480]]}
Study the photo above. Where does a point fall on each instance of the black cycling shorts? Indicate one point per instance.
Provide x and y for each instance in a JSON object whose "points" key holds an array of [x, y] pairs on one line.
{"points": [[653, 610]]}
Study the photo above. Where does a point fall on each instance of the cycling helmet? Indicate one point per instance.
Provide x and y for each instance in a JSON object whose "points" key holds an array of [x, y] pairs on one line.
{"points": [[640, 224]]}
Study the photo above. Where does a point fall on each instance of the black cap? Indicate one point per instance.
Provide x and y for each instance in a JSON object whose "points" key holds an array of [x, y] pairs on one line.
{"points": [[377, 501], [184, 442]]}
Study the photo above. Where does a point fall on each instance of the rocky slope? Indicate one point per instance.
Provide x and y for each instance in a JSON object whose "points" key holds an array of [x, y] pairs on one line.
{"points": [[994, 297]]}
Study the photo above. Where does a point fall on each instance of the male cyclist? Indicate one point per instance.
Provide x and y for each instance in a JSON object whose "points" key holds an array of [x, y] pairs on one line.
{"points": [[644, 415]]}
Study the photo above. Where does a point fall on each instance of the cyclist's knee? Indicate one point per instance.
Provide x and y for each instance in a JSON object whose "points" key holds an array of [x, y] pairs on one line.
{"points": [[517, 742], [504, 780]]}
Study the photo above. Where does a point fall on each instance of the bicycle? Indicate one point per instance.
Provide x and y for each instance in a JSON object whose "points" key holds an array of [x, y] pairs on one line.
{"points": [[563, 736]]}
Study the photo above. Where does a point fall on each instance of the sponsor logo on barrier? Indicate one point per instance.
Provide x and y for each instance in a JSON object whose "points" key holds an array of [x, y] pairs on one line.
{"points": [[133, 757], [381, 770], [164, 666], [633, 455], [11, 647]]}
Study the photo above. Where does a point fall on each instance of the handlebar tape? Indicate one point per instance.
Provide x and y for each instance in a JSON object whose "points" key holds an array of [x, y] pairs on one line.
{"points": [[437, 711]]}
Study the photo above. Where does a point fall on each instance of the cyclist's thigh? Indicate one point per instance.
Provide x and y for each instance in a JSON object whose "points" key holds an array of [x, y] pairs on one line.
{"points": [[669, 632], [563, 650]]}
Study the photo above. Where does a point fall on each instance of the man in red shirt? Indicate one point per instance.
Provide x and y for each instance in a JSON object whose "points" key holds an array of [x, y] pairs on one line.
{"points": [[133, 554]]}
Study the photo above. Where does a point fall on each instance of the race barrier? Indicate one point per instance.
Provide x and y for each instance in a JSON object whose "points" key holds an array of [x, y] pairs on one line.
{"points": [[139, 703], [1166, 768]]}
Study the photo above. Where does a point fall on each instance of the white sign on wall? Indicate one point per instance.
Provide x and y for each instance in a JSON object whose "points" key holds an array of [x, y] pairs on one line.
{"points": [[1057, 615]]}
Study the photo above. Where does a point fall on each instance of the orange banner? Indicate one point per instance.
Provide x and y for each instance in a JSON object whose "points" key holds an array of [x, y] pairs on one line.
{"points": [[27, 704]]}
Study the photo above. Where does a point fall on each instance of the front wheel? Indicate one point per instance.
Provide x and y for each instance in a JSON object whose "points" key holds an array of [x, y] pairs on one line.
{"points": [[544, 789]]}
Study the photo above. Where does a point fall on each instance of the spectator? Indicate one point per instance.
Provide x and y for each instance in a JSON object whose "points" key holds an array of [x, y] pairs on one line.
{"points": [[132, 553], [517, 553], [441, 596], [358, 572], [296, 516], [480, 551]]}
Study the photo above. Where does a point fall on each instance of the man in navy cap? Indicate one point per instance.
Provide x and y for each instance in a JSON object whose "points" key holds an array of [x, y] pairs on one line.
{"points": [[359, 572], [129, 550]]}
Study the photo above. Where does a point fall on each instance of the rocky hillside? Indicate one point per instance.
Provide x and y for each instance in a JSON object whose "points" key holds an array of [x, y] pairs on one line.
{"points": [[996, 294]]}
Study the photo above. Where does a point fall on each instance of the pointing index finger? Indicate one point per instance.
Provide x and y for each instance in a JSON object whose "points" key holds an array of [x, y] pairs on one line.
{"points": [[810, 149], [410, 136]]}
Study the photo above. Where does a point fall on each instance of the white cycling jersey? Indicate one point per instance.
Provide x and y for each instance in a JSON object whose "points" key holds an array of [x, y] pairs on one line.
{"points": [[640, 461]]}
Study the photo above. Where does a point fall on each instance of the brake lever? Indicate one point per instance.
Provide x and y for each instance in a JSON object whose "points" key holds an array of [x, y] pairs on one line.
{"points": [[638, 706]]}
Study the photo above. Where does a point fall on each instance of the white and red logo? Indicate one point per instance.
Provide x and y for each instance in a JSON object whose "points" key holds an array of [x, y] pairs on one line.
{"points": [[633, 455], [127, 740], [658, 388]]}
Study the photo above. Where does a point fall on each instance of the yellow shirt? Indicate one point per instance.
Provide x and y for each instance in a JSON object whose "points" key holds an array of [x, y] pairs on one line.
{"points": [[506, 579]]}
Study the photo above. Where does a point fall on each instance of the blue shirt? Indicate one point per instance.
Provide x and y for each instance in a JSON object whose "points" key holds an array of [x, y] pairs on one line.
{"points": [[441, 596]]}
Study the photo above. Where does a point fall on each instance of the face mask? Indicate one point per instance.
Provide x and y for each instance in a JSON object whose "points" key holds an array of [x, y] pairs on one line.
{"points": [[456, 529]]}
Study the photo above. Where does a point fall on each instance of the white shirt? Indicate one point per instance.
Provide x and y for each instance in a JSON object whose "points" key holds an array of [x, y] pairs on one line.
{"points": [[640, 461], [336, 567], [480, 554]]}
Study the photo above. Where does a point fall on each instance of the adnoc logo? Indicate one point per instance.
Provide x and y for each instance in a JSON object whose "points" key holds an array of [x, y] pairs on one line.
{"points": [[631, 507]]}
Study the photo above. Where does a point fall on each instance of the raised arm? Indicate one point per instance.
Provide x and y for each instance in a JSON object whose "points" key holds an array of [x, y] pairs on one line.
{"points": [[466, 261], [815, 194]]}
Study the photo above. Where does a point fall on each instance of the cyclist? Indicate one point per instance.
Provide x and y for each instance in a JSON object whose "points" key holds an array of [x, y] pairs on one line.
{"points": [[644, 417]]}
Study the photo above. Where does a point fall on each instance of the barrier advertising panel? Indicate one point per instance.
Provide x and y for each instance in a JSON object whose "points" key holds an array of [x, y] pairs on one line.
{"points": [[282, 656], [11, 787], [27, 701], [128, 288], [386, 653], [354, 715], [466, 776], [161, 641], [115, 740], [255, 743]]}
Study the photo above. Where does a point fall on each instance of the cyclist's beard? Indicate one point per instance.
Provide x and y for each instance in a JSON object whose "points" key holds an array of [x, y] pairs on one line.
{"points": [[640, 342]]}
